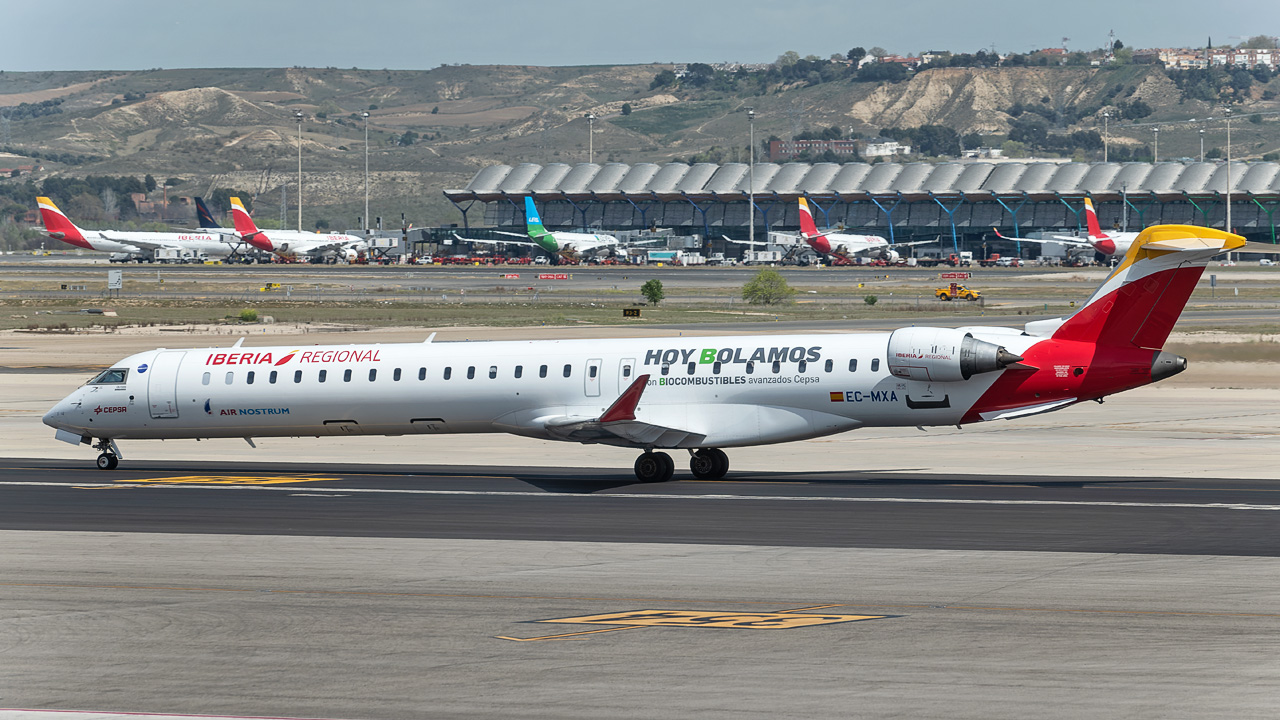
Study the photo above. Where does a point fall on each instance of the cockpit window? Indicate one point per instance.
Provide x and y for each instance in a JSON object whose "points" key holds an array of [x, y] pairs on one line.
{"points": [[114, 376]]}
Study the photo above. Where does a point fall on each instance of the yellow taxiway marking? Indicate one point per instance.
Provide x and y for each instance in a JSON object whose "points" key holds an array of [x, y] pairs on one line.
{"points": [[228, 480], [698, 618]]}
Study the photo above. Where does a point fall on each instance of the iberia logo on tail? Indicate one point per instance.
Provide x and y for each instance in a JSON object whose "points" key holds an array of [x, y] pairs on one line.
{"points": [[809, 230], [59, 225], [247, 228]]}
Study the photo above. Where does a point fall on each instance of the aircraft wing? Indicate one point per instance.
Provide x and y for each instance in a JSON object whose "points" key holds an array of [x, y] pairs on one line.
{"points": [[1054, 240], [619, 422], [144, 244], [498, 242], [764, 243]]}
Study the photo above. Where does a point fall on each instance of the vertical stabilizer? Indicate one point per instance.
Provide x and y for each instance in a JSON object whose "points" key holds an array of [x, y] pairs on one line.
{"points": [[533, 221], [59, 226], [247, 228], [204, 216], [1091, 219], [809, 230], [1140, 301]]}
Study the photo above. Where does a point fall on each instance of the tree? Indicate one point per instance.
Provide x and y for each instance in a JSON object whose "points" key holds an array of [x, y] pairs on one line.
{"points": [[626, 109], [150, 182], [170, 182], [1260, 42], [409, 138], [856, 54], [877, 52], [768, 287], [322, 224], [652, 291], [1117, 46], [787, 59], [666, 78]]}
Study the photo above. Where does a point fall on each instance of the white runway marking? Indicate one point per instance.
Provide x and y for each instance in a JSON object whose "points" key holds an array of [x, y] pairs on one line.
{"points": [[668, 496]]}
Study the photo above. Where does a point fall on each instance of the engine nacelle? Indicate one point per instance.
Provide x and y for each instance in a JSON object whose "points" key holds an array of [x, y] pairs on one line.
{"points": [[943, 355]]}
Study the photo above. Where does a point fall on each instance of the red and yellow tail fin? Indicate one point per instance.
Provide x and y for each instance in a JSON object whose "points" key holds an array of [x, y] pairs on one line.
{"points": [[59, 225], [1091, 219], [247, 228], [1140, 301], [809, 230]]}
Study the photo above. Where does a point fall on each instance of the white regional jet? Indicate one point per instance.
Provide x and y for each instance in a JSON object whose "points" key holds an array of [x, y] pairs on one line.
{"points": [[134, 244], [651, 394], [295, 245]]}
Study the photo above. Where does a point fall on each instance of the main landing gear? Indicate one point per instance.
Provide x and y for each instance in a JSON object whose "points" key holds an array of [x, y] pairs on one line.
{"points": [[705, 464], [110, 458]]}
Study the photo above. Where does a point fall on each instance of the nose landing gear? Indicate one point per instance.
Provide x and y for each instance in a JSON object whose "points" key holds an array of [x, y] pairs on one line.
{"points": [[110, 457]]}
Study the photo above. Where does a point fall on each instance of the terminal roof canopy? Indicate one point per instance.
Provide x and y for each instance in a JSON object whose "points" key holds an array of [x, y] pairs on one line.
{"points": [[976, 181]]}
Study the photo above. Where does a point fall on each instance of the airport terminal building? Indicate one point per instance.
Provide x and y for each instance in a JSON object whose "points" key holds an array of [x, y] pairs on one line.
{"points": [[957, 202]]}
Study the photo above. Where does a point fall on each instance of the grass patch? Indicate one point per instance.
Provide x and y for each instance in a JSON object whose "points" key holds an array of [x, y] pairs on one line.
{"points": [[668, 119]]}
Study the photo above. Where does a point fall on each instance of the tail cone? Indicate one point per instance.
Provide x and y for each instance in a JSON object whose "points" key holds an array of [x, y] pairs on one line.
{"points": [[1166, 364]]}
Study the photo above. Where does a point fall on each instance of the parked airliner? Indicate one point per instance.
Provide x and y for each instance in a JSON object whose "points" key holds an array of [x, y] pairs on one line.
{"points": [[567, 245], [295, 245], [698, 394], [1113, 243], [134, 244]]}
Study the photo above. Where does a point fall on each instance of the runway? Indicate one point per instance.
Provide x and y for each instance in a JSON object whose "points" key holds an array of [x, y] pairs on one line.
{"points": [[346, 591], [810, 509]]}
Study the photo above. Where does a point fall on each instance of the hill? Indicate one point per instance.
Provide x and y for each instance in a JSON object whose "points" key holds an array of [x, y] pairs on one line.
{"points": [[434, 129]]}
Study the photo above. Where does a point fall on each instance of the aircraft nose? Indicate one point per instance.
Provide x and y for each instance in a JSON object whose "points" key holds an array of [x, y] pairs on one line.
{"points": [[58, 414]]}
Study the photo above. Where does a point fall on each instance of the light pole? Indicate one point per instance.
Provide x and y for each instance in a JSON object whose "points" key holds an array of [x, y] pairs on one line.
{"points": [[1201, 144], [297, 114], [1228, 228], [1106, 133], [751, 180], [366, 172], [1156, 153], [591, 137]]}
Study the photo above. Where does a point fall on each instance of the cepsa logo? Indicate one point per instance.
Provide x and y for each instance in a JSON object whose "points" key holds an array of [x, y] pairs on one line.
{"points": [[103, 409], [310, 356]]}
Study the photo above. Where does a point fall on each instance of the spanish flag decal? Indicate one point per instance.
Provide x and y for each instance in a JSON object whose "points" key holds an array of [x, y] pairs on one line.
{"points": [[837, 397]]}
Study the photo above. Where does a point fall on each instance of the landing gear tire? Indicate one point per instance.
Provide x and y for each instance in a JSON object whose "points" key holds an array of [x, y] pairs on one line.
{"points": [[107, 461], [654, 467], [709, 464]]}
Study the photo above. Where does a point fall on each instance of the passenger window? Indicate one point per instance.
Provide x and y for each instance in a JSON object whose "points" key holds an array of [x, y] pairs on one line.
{"points": [[519, 371], [751, 367], [448, 373], [692, 366], [777, 367], [853, 366], [802, 367], [568, 370], [373, 374], [230, 377], [626, 371], [715, 369], [272, 377], [829, 365], [396, 375], [542, 371], [346, 375], [471, 372], [297, 376], [324, 374], [493, 372], [666, 369], [205, 381], [422, 373], [875, 364], [248, 378], [591, 371]]}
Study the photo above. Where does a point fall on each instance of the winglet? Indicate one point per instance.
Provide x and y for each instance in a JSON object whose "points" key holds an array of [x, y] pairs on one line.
{"points": [[624, 408]]}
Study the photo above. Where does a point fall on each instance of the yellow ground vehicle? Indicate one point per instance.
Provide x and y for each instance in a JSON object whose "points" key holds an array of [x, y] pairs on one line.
{"points": [[956, 291]]}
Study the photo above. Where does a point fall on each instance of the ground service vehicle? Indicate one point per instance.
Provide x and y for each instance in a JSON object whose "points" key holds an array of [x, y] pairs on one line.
{"points": [[956, 291]]}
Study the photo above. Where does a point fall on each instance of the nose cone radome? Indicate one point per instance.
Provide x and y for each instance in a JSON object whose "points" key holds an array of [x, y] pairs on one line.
{"points": [[62, 415], [1166, 364]]}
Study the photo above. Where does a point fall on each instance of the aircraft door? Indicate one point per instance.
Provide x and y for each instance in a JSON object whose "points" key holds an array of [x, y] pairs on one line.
{"points": [[593, 377], [626, 373], [162, 383]]}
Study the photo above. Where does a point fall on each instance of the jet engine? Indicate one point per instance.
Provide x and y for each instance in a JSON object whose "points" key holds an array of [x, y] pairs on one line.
{"points": [[943, 355]]}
